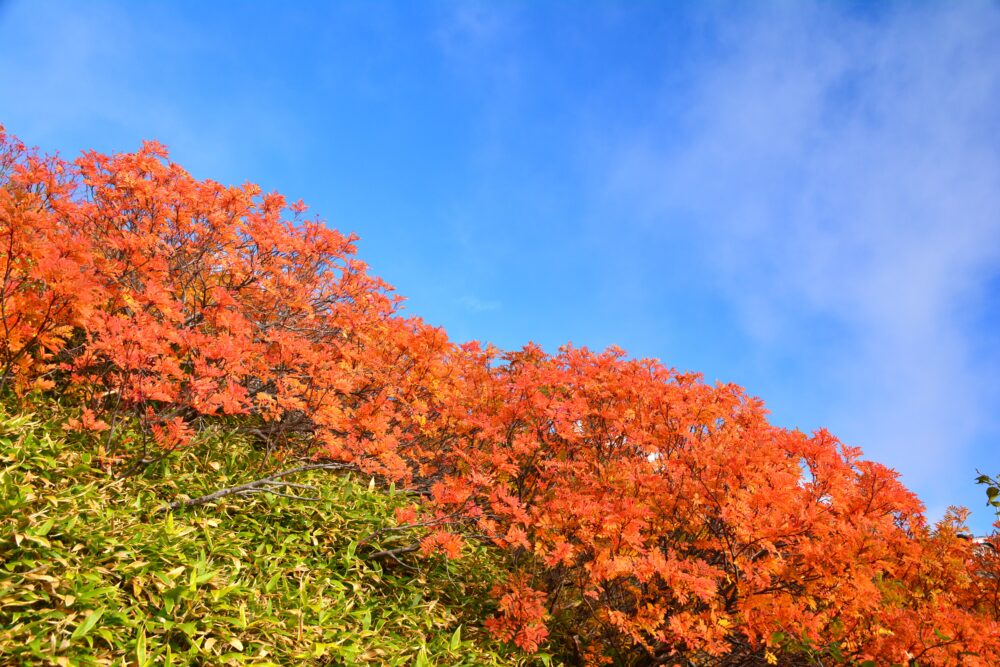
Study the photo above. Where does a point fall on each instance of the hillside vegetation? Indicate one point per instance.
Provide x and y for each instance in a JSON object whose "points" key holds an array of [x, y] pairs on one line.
{"points": [[189, 336], [96, 570]]}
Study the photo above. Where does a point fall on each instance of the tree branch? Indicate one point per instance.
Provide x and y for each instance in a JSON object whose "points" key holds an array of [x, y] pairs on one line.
{"points": [[264, 485]]}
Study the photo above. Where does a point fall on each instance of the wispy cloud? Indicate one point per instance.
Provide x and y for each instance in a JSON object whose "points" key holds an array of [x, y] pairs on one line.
{"points": [[104, 70], [477, 305], [472, 26], [842, 173], [66, 68]]}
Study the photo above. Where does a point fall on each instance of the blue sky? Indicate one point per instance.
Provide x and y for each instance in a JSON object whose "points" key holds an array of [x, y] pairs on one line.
{"points": [[800, 198]]}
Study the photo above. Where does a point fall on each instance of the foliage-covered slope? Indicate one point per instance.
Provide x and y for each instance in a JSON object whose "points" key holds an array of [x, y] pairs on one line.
{"points": [[94, 570], [638, 515]]}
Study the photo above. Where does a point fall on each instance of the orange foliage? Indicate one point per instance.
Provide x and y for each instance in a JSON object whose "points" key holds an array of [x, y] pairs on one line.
{"points": [[645, 516]]}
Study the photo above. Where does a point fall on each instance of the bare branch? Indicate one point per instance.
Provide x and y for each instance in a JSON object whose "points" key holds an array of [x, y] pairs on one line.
{"points": [[392, 553], [263, 485]]}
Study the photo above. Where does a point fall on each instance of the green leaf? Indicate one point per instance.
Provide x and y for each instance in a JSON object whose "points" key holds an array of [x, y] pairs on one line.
{"points": [[835, 652], [272, 583], [456, 639], [44, 529], [88, 624], [140, 648]]}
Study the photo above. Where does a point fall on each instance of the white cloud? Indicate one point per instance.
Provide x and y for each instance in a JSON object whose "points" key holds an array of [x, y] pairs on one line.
{"points": [[109, 75], [844, 171], [478, 305], [472, 26], [67, 67]]}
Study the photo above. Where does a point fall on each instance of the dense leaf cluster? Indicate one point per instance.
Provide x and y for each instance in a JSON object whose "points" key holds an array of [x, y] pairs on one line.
{"points": [[94, 572], [644, 516]]}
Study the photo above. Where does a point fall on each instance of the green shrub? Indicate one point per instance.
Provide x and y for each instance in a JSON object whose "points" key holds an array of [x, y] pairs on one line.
{"points": [[95, 569]]}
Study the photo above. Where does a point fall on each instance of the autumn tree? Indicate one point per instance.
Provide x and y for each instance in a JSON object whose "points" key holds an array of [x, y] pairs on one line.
{"points": [[644, 516]]}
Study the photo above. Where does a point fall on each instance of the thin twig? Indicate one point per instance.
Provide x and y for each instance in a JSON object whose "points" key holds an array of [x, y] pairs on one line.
{"points": [[279, 493], [263, 485], [445, 519], [392, 553]]}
